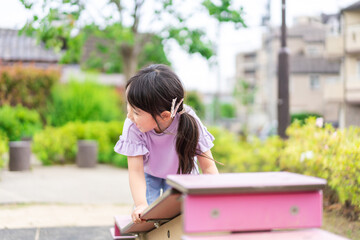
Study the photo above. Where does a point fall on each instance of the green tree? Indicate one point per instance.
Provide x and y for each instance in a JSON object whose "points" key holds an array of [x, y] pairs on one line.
{"points": [[104, 57], [62, 17]]}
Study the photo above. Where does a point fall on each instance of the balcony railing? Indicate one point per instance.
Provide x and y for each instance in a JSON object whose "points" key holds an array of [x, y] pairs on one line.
{"points": [[353, 91]]}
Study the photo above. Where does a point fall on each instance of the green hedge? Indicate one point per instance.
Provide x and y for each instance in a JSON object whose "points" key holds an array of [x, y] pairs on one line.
{"points": [[302, 116], [19, 122], [332, 154], [26, 85], [56, 145]]}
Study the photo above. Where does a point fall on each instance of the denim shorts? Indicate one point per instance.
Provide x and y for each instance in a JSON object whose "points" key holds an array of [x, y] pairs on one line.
{"points": [[154, 187]]}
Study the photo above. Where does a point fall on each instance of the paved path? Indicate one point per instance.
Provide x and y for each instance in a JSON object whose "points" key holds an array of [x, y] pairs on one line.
{"points": [[70, 233], [62, 202], [66, 184]]}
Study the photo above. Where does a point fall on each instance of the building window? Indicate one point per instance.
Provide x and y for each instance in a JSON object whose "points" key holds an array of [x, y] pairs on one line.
{"points": [[313, 51], [314, 82]]}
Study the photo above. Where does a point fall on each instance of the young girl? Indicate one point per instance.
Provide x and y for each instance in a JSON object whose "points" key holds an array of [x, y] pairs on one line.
{"points": [[161, 135]]}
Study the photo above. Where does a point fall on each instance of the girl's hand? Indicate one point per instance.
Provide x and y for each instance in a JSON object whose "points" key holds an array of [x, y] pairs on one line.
{"points": [[135, 216]]}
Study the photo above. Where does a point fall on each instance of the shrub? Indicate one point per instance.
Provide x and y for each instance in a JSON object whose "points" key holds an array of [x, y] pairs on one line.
{"points": [[19, 122], [326, 152], [344, 145], [29, 86], [226, 149], [242, 156], [332, 154], [301, 117], [83, 102], [227, 110], [56, 145], [3, 148]]}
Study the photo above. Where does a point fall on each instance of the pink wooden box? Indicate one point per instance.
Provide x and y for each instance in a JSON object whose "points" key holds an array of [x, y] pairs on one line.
{"points": [[266, 204], [249, 201]]}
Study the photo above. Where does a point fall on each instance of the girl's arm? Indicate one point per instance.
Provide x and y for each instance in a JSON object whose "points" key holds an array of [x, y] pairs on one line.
{"points": [[207, 164], [137, 186]]}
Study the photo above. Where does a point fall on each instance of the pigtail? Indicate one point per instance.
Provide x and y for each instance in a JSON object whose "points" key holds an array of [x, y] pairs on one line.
{"points": [[187, 139]]}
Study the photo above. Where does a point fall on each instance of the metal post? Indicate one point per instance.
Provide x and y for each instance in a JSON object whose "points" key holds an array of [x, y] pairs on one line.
{"points": [[19, 155], [87, 155], [218, 79], [283, 80]]}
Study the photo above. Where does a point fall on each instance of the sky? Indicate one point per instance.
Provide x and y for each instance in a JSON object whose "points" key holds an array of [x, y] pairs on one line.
{"points": [[193, 70]]}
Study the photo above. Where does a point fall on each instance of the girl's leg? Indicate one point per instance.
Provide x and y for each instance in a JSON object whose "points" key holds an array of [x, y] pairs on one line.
{"points": [[153, 186]]}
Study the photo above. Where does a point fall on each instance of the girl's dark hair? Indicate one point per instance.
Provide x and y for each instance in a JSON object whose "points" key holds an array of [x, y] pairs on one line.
{"points": [[152, 90]]}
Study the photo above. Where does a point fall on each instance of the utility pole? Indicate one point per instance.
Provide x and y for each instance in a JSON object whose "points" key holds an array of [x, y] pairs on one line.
{"points": [[283, 80], [218, 78]]}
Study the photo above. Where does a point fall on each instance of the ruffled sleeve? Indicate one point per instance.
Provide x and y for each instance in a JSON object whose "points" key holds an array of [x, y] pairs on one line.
{"points": [[131, 142]]}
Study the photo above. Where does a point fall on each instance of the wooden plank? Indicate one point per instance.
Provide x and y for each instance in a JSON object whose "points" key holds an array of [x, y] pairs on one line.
{"points": [[252, 212], [244, 183], [303, 234], [168, 231], [165, 207]]}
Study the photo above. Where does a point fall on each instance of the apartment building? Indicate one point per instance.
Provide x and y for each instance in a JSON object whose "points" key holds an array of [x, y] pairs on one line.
{"points": [[351, 64], [311, 70], [324, 68]]}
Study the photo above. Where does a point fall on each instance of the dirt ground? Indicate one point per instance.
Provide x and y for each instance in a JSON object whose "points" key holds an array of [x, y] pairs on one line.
{"points": [[334, 222]]}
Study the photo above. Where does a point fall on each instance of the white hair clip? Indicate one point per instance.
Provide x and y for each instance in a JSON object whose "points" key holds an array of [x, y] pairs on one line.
{"points": [[174, 108]]}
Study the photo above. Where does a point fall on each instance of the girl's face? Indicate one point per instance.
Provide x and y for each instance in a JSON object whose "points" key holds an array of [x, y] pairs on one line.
{"points": [[143, 120]]}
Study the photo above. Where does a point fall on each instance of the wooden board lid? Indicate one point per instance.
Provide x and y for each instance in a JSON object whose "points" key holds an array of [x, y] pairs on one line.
{"points": [[163, 209], [245, 183]]}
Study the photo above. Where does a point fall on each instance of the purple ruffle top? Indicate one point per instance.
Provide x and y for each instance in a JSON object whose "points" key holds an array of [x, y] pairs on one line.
{"points": [[158, 149]]}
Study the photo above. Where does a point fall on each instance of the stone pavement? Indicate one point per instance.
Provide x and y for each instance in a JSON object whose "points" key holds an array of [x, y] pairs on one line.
{"points": [[62, 202]]}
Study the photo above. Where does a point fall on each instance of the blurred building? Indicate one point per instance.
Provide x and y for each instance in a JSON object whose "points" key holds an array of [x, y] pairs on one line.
{"points": [[311, 71], [15, 48], [324, 69], [350, 41]]}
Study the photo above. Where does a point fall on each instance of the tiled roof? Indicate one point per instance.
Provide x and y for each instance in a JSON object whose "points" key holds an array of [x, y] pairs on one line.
{"points": [[15, 47], [355, 6], [326, 17], [306, 65]]}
